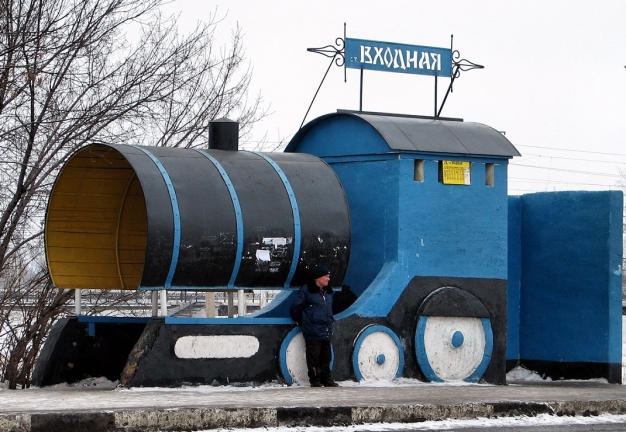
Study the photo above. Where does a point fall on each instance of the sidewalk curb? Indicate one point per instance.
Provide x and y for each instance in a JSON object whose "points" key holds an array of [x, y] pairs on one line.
{"points": [[178, 419]]}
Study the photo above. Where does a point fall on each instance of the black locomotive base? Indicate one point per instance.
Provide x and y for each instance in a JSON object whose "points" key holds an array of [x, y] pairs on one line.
{"points": [[77, 349], [144, 354]]}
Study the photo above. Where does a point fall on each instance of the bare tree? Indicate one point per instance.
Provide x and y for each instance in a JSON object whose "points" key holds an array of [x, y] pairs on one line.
{"points": [[30, 307], [70, 76]]}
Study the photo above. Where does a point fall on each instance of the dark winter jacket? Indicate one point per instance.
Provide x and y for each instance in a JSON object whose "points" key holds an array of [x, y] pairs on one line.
{"points": [[314, 312]]}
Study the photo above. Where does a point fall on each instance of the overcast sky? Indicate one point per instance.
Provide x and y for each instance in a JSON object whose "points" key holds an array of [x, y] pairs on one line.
{"points": [[554, 79]]}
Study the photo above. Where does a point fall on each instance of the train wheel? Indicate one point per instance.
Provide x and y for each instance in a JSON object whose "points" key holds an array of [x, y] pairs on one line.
{"points": [[378, 354], [293, 358], [453, 348]]}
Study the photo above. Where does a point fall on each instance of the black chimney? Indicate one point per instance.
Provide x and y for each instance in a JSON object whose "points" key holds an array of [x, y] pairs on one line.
{"points": [[224, 135]]}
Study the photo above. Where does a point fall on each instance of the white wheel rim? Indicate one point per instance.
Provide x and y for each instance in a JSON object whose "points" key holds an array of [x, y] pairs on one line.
{"points": [[295, 359], [377, 355], [450, 362]]}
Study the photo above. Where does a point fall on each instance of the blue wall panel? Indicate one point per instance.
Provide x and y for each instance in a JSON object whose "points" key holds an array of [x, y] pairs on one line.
{"points": [[571, 277], [453, 230], [515, 275], [367, 219]]}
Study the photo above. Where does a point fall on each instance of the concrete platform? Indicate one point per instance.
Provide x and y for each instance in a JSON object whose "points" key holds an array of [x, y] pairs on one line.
{"points": [[88, 409]]}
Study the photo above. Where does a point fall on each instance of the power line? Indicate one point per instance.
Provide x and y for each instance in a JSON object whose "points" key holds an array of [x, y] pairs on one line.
{"points": [[574, 159], [568, 170], [541, 188], [571, 150], [526, 180]]}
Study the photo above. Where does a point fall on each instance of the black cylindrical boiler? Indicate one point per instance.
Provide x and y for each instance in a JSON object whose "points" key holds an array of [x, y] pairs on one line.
{"points": [[128, 217]]}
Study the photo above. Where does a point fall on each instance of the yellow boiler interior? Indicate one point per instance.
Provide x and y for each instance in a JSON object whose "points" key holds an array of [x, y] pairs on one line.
{"points": [[96, 223]]}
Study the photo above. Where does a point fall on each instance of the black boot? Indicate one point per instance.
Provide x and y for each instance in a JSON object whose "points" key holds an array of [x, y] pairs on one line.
{"points": [[327, 380], [315, 382], [315, 377]]}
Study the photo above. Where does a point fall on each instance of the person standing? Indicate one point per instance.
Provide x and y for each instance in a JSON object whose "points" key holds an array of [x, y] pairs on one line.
{"points": [[312, 309]]}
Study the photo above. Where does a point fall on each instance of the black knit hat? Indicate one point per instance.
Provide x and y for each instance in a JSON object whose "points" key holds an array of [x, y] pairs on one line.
{"points": [[319, 271]]}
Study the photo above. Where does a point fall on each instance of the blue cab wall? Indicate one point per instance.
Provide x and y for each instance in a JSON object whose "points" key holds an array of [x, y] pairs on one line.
{"points": [[568, 246], [426, 227], [452, 230]]}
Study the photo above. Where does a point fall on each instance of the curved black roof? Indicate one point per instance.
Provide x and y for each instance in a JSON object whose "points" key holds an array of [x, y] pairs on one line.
{"points": [[406, 133]]}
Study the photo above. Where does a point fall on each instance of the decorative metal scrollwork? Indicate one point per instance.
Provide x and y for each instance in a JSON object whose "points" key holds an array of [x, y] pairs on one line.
{"points": [[458, 65], [337, 55], [462, 64], [336, 52]]}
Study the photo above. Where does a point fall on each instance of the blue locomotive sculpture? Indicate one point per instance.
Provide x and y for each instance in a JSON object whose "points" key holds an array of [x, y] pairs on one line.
{"points": [[441, 275]]}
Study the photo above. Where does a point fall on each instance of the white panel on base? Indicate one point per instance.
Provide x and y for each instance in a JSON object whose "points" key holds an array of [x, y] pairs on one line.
{"points": [[217, 346]]}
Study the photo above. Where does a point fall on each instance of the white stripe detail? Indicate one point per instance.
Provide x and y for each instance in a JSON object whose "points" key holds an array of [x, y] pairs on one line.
{"points": [[226, 346]]}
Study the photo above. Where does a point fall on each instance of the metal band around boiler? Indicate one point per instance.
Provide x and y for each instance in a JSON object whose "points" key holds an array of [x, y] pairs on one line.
{"points": [[238, 215], [296, 217], [175, 213]]}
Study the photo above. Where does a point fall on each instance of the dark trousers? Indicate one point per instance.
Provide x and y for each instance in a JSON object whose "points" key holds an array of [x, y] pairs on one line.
{"points": [[318, 358]]}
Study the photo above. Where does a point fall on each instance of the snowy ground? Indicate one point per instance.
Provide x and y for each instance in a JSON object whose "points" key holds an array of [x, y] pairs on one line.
{"points": [[517, 374], [540, 420]]}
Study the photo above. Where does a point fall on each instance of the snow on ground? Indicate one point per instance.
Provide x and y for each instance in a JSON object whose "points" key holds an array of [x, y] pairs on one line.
{"points": [[482, 423], [238, 387], [517, 374], [101, 382], [520, 373]]}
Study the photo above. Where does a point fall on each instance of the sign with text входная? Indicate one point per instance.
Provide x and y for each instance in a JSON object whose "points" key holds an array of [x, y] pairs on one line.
{"points": [[396, 57]]}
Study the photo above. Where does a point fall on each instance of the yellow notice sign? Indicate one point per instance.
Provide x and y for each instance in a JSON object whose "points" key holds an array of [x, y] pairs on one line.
{"points": [[456, 172]]}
